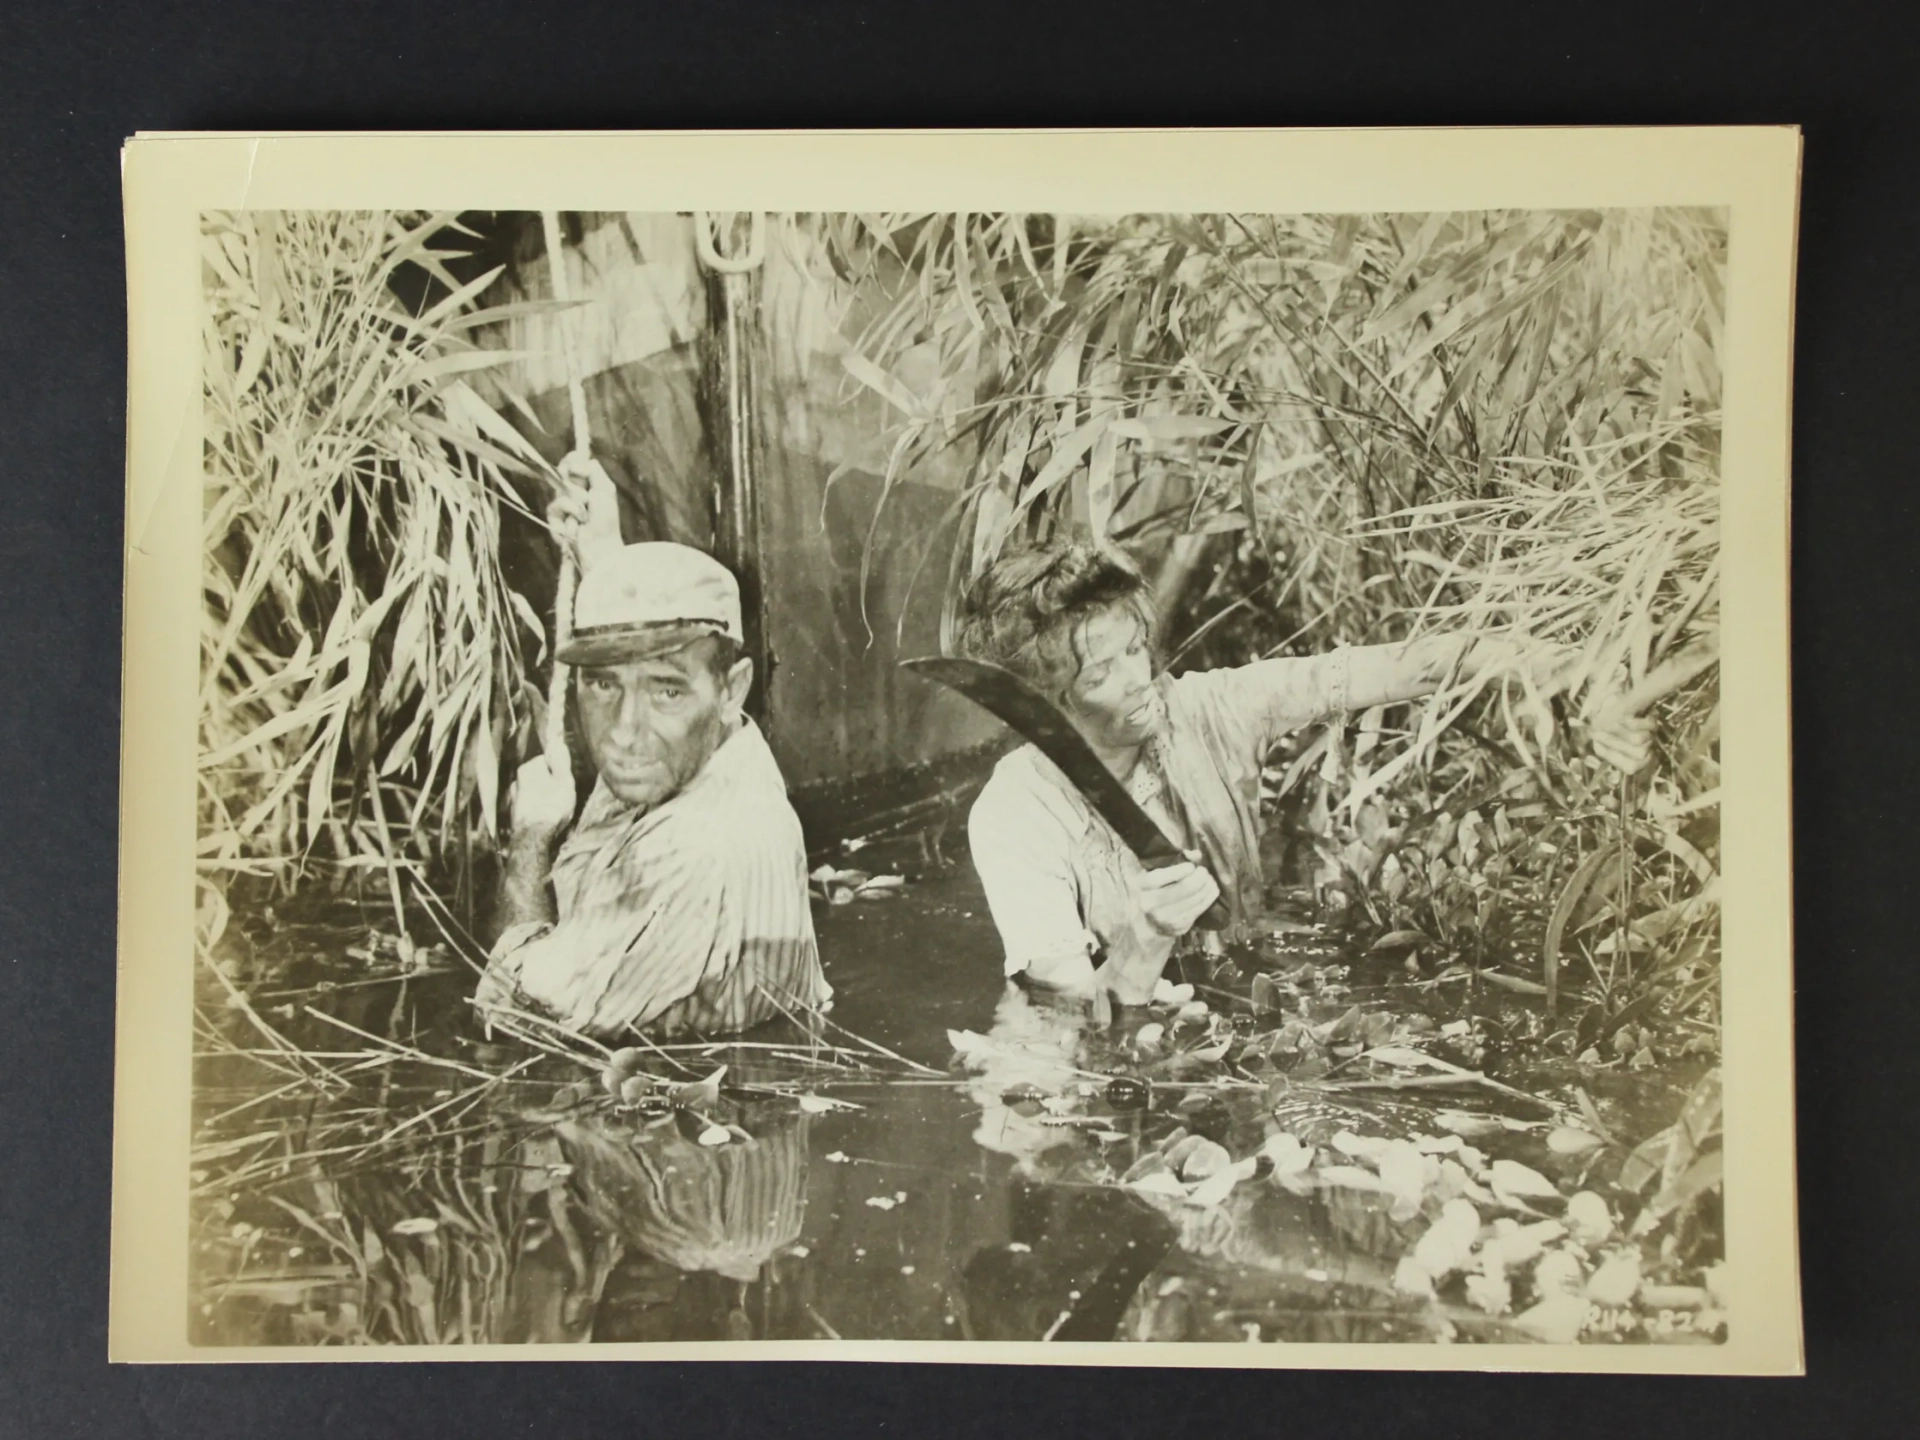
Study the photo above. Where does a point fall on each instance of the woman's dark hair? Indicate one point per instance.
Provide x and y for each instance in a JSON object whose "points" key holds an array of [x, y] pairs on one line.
{"points": [[1026, 610]]}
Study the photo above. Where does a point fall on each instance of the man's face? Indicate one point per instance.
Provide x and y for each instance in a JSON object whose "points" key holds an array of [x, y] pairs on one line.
{"points": [[651, 724]]}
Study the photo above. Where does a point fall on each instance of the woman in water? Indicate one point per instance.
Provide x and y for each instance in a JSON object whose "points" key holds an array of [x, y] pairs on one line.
{"points": [[1076, 910]]}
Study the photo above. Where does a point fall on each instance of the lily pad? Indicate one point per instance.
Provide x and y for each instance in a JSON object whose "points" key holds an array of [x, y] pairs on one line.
{"points": [[1510, 1177]]}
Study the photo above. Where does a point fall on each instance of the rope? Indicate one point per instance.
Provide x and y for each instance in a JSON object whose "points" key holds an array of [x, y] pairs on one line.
{"points": [[556, 731]]}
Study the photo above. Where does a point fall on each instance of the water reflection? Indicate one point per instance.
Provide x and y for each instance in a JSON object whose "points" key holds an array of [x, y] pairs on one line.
{"points": [[1076, 1248], [432, 1202], [657, 1236], [1093, 1259], [988, 1208]]}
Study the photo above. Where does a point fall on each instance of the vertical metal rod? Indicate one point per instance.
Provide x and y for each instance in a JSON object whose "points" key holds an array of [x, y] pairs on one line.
{"points": [[737, 500], [555, 740]]}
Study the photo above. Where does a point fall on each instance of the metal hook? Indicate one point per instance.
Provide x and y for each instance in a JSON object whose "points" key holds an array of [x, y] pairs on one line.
{"points": [[730, 264]]}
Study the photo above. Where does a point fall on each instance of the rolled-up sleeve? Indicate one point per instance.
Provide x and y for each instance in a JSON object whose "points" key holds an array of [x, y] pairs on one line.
{"points": [[513, 939], [640, 946], [1023, 858], [1272, 697], [1256, 705]]}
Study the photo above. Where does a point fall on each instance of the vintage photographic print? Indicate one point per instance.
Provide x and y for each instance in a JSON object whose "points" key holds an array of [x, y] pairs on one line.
{"points": [[1134, 776]]}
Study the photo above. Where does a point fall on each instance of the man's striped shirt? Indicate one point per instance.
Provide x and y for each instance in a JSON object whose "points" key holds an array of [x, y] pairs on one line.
{"points": [[688, 918]]}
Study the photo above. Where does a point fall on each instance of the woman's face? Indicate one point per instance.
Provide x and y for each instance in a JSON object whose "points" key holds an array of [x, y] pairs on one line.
{"points": [[1112, 699]]}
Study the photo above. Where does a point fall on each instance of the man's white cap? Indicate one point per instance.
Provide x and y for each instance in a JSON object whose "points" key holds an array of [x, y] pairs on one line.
{"points": [[645, 600]]}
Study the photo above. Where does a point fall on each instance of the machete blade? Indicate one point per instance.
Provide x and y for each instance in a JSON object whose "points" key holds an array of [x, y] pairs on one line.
{"points": [[1036, 719]]}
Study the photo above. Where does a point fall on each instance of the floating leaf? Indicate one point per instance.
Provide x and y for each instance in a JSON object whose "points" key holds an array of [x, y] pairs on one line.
{"points": [[1447, 1245], [1403, 1170], [700, 1093], [414, 1225], [1159, 1182], [1288, 1155], [1215, 1188], [1570, 1140], [1615, 1282], [1510, 1177], [1492, 1293], [1399, 940], [1521, 1245], [715, 1135], [1557, 1319], [1560, 1273], [1350, 1177], [1459, 1122], [1365, 1147], [1588, 1218], [1455, 1181], [1200, 1157], [819, 1104]]}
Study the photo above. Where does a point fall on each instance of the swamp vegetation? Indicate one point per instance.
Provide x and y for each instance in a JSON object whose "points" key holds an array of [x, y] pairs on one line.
{"points": [[1464, 1084]]}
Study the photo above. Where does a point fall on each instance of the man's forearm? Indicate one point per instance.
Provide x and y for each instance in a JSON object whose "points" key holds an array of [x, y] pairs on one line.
{"points": [[526, 896]]}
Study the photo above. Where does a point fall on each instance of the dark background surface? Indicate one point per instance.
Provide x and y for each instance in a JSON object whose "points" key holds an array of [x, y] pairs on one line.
{"points": [[76, 79]]}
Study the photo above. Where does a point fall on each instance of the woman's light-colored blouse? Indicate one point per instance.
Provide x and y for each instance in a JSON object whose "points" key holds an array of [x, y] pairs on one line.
{"points": [[1060, 881]]}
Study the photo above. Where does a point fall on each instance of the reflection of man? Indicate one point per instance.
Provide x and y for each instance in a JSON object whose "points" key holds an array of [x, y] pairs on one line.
{"points": [[728, 1209], [678, 901]]}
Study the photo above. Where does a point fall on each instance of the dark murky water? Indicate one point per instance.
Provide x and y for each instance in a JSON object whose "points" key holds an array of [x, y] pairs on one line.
{"points": [[402, 1200]]}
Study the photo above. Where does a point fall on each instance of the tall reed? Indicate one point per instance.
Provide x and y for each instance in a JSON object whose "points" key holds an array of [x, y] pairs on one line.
{"points": [[361, 656], [1336, 429]]}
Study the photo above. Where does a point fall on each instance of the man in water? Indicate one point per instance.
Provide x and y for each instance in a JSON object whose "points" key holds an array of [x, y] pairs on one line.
{"points": [[677, 902]]}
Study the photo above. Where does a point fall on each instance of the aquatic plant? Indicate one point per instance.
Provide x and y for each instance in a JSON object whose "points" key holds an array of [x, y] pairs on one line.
{"points": [[361, 656], [1315, 429], [1323, 430]]}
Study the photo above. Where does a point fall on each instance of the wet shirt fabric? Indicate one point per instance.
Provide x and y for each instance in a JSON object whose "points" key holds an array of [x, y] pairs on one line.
{"points": [[690, 918], [1058, 878]]}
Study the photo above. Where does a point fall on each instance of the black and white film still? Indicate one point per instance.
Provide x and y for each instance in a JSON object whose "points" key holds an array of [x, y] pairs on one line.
{"points": [[604, 936]]}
